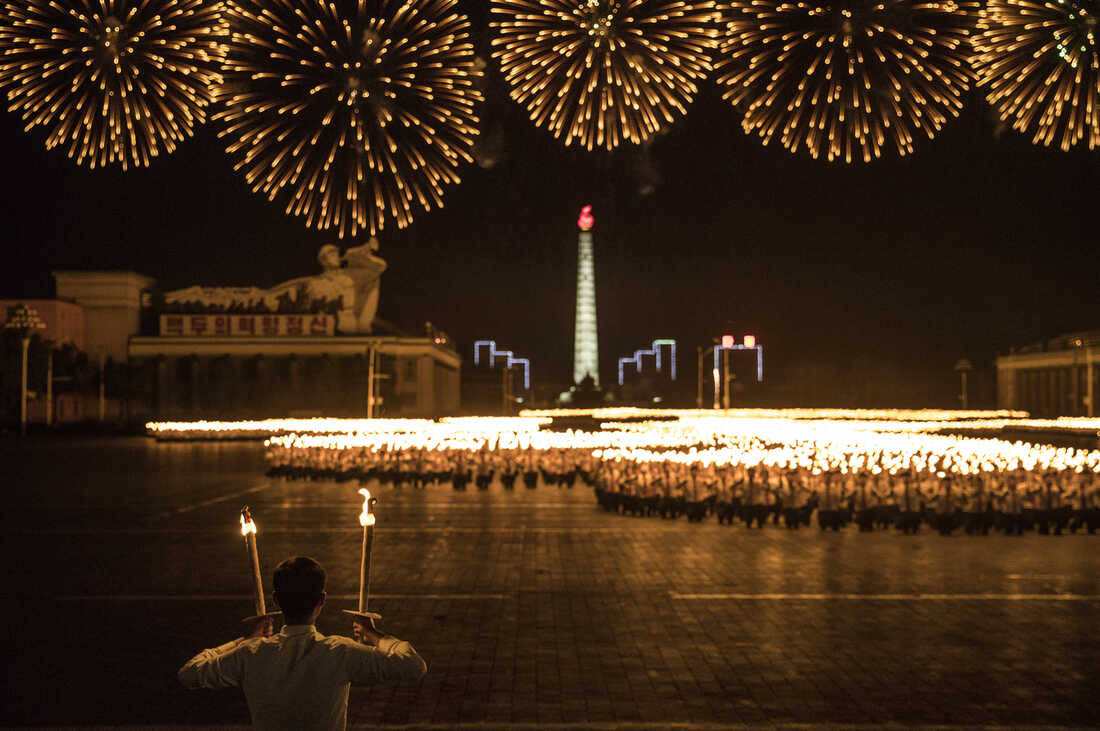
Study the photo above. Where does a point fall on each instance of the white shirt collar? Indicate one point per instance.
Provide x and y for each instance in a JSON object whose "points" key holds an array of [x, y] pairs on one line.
{"points": [[298, 629]]}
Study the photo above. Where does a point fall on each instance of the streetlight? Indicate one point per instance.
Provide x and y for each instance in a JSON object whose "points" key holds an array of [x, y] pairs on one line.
{"points": [[962, 367], [23, 320], [1081, 347], [699, 384], [507, 390], [726, 377], [721, 387], [373, 375]]}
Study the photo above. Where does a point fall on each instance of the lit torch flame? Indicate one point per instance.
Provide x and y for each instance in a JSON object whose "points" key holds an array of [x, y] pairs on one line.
{"points": [[366, 517], [247, 524]]}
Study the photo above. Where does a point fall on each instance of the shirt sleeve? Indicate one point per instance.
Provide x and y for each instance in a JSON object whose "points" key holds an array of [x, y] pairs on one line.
{"points": [[393, 662], [220, 667]]}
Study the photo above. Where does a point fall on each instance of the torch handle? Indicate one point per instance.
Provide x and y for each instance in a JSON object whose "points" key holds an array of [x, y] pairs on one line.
{"points": [[257, 578], [365, 567]]}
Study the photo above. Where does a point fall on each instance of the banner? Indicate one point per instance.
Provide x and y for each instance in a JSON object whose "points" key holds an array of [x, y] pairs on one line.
{"points": [[247, 325]]}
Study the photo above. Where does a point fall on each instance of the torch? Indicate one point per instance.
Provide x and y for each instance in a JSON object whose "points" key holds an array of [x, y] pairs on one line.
{"points": [[248, 530], [366, 519]]}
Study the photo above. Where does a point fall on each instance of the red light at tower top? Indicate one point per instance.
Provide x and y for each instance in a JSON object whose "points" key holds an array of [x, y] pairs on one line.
{"points": [[750, 341], [586, 221]]}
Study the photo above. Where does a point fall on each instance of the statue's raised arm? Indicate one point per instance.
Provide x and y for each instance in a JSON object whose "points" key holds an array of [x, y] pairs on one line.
{"points": [[365, 269], [352, 279]]}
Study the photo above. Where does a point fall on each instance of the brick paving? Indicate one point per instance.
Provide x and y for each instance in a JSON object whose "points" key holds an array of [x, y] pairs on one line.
{"points": [[532, 607]]}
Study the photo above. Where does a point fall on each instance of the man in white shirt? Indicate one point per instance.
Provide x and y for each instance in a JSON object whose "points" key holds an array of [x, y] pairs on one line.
{"points": [[299, 678]]}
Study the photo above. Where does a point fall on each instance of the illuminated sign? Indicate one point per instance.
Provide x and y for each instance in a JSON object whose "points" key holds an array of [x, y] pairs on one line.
{"points": [[750, 341], [655, 350], [586, 221], [247, 325], [510, 359], [758, 349], [728, 341]]}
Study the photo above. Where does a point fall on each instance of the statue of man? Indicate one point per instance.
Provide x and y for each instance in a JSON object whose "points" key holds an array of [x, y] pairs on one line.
{"points": [[354, 278]]}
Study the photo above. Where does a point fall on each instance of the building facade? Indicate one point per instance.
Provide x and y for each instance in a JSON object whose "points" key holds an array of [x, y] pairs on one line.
{"points": [[1058, 377], [303, 348], [51, 397], [112, 302], [199, 376], [63, 321]]}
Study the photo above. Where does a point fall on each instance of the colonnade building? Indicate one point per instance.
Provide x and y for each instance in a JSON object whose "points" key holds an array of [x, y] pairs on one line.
{"points": [[1057, 377]]}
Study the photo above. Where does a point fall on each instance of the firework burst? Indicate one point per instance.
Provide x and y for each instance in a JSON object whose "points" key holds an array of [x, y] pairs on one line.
{"points": [[356, 109], [599, 72], [1041, 66], [845, 79], [113, 81]]}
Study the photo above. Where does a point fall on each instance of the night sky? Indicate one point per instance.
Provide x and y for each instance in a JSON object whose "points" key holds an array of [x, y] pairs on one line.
{"points": [[978, 242]]}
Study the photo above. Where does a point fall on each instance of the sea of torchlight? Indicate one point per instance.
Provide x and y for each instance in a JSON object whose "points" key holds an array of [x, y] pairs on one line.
{"points": [[819, 441]]}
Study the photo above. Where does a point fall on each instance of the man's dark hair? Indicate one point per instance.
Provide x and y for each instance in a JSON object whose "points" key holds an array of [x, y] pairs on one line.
{"points": [[299, 583]]}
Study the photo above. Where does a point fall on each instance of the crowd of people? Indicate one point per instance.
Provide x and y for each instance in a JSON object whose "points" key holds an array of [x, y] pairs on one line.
{"points": [[419, 468], [870, 497], [1013, 502]]}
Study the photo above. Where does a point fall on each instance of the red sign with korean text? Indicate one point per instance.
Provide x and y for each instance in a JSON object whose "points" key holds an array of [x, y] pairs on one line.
{"points": [[247, 325]]}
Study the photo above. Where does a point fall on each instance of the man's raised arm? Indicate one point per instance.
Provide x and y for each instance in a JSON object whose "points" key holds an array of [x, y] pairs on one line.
{"points": [[375, 658], [218, 667], [223, 666]]}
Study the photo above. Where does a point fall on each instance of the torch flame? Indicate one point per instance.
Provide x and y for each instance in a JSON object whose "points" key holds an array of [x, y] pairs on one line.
{"points": [[366, 517], [247, 524]]}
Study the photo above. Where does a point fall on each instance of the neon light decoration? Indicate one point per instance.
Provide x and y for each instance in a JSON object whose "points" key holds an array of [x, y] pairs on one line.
{"points": [[510, 359], [654, 350], [759, 356]]}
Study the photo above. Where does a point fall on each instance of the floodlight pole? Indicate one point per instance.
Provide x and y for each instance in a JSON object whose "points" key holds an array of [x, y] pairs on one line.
{"points": [[26, 342], [24, 320], [717, 387], [370, 382], [725, 378], [962, 367], [1089, 395], [102, 385], [506, 385], [49, 389], [699, 389]]}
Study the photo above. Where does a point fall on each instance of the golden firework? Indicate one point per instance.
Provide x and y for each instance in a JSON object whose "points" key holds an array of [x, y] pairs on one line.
{"points": [[599, 72], [355, 109], [1040, 64], [845, 79], [113, 81]]}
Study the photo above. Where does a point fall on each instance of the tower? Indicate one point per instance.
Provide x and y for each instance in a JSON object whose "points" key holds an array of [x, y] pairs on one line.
{"points": [[586, 357]]}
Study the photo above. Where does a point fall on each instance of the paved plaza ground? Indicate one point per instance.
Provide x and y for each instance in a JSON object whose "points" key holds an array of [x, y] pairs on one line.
{"points": [[123, 558]]}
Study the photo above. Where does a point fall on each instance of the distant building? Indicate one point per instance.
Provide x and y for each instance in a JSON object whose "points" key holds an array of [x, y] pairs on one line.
{"points": [[1057, 377], [64, 325], [232, 376], [301, 348], [64, 320], [112, 304]]}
